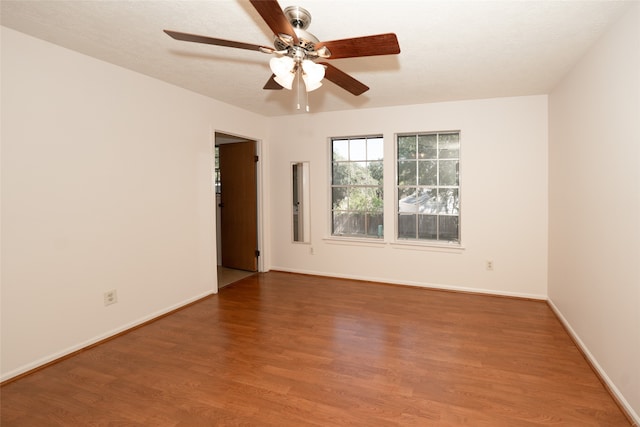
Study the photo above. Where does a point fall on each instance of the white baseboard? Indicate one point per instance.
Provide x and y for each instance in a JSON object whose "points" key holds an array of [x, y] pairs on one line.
{"points": [[413, 283], [594, 362], [58, 355]]}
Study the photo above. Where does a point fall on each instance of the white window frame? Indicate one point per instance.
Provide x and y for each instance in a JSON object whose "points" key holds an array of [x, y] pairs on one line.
{"points": [[362, 238], [418, 242]]}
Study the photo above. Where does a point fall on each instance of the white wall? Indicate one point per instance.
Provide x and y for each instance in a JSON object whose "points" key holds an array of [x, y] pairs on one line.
{"points": [[594, 205], [504, 196], [106, 184]]}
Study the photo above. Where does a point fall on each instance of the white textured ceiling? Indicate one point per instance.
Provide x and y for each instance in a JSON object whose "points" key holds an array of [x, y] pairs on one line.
{"points": [[450, 50]]}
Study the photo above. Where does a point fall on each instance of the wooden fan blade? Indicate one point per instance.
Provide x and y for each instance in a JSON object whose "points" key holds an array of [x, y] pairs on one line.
{"points": [[344, 80], [273, 15], [380, 44], [272, 84], [218, 42]]}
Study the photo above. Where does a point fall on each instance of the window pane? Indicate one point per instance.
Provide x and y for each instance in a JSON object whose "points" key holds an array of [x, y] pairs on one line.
{"points": [[407, 226], [427, 146], [376, 173], [427, 172], [375, 149], [358, 149], [340, 173], [359, 173], [339, 199], [448, 201], [407, 200], [376, 203], [448, 172], [365, 199], [366, 173], [358, 199], [340, 149], [375, 222], [340, 222], [407, 172], [448, 228], [427, 227], [428, 201], [449, 146], [406, 147], [356, 223]]}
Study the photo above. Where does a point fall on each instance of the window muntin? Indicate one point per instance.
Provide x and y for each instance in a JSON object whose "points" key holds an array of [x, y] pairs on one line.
{"points": [[356, 186], [428, 187]]}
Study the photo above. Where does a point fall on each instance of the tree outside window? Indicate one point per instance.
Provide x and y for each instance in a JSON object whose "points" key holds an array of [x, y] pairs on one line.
{"points": [[356, 187]]}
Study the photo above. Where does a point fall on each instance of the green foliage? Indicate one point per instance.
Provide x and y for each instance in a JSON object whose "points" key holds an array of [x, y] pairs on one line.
{"points": [[357, 179], [357, 186]]}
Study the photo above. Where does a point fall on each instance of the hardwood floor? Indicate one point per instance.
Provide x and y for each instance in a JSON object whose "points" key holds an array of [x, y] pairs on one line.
{"points": [[280, 349]]}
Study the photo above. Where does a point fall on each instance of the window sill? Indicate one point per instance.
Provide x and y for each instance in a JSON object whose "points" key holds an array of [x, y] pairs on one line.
{"points": [[356, 241], [428, 246]]}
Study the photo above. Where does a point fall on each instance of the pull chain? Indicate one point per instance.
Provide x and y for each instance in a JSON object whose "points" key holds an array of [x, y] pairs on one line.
{"points": [[298, 84], [298, 87]]}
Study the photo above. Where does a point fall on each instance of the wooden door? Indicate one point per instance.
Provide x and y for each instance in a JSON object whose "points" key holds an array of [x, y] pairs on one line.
{"points": [[239, 210]]}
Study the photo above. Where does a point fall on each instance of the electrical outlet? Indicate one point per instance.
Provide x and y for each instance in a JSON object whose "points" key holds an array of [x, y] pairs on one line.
{"points": [[489, 265], [110, 297], [311, 251]]}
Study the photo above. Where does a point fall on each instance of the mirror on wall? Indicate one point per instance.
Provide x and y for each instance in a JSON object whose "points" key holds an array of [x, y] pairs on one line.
{"points": [[300, 193]]}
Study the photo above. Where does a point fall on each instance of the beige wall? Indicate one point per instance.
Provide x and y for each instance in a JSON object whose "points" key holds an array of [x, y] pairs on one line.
{"points": [[594, 205], [106, 184], [504, 196]]}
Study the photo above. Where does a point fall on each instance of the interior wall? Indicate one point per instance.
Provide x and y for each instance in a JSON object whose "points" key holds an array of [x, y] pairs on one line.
{"points": [[594, 205], [503, 193], [107, 183]]}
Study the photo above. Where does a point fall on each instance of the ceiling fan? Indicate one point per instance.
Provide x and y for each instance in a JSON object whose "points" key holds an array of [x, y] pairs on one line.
{"points": [[300, 53]]}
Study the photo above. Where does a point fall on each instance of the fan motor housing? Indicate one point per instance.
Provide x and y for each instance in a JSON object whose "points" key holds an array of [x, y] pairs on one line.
{"points": [[298, 17], [306, 40]]}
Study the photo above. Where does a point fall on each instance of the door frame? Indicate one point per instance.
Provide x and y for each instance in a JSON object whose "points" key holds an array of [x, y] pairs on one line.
{"points": [[230, 137]]}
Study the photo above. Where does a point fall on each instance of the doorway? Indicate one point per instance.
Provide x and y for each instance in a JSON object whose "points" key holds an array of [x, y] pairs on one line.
{"points": [[237, 205]]}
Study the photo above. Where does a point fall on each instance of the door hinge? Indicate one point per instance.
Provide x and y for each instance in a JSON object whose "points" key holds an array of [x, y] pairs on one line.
{"points": [[257, 252], [256, 158]]}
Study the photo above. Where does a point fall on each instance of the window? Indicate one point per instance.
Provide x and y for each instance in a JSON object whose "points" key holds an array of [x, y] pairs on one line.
{"points": [[429, 186], [356, 186]]}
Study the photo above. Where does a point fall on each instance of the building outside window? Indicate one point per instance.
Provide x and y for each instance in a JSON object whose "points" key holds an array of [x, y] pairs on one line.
{"points": [[356, 186], [428, 188]]}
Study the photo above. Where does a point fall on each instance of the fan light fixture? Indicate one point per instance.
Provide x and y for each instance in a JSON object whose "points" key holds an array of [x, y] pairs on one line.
{"points": [[312, 74], [285, 69]]}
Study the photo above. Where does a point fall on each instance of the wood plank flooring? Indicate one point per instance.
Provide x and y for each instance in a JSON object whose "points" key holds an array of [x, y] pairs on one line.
{"points": [[279, 349]]}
